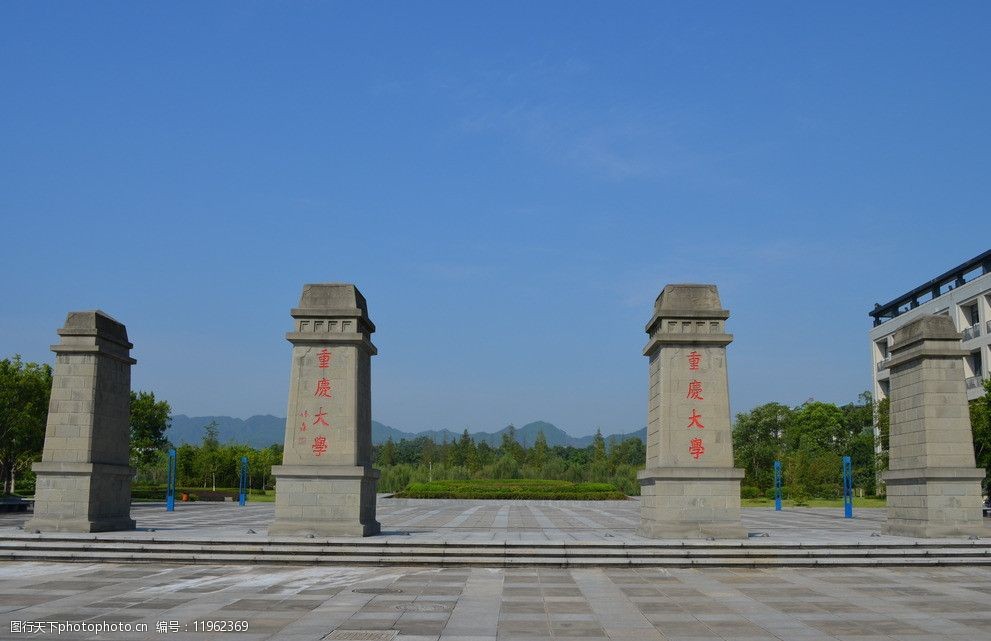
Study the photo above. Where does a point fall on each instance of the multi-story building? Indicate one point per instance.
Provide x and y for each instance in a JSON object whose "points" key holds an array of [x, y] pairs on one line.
{"points": [[962, 293]]}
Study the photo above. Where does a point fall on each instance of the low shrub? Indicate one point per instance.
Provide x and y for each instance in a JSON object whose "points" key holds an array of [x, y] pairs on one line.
{"points": [[749, 492], [513, 489], [798, 494], [826, 491]]}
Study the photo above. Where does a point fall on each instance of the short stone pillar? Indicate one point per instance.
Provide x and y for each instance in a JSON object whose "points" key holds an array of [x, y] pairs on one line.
{"points": [[934, 488], [84, 476], [326, 484], [689, 488]]}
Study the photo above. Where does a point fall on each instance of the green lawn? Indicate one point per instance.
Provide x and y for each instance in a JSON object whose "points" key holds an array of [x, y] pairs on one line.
{"points": [[837, 503], [537, 489], [150, 494]]}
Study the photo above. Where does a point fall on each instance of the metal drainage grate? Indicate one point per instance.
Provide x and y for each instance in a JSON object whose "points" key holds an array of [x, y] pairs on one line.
{"points": [[377, 591], [362, 635]]}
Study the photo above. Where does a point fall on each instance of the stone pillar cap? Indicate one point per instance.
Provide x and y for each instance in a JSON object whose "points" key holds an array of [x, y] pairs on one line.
{"points": [[687, 301], [333, 300], [926, 337], [931, 327], [95, 323]]}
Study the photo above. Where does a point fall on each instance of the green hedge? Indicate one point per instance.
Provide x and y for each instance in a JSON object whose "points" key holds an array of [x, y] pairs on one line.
{"points": [[538, 489], [157, 493]]}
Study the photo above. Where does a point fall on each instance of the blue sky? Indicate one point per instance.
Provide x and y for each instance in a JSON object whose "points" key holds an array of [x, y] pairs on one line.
{"points": [[509, 185]]}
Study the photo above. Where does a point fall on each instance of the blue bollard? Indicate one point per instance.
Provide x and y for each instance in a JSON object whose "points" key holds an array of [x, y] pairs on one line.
{"points": [[847, 488], [244, 481], [170, 484], [777, 485]]}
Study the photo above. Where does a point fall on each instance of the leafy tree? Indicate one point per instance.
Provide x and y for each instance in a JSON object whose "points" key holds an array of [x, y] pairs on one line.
{"points": [[506, 467], [25, 391], [757, 441], [149, 421], [631, 451], [271, 455], [816, 427], [858, 441], [508, 438], [208, 459], [980, 424], [469, 453], [510, 446], [538, 453], [187, 460], [486, 454], [598, 447], [884, 422], [428, 453], [387, 453]]}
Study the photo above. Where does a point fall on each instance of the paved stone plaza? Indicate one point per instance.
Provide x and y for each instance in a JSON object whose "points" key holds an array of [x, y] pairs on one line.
{"points": [[447, 520], [481, 603], [475, 604]]}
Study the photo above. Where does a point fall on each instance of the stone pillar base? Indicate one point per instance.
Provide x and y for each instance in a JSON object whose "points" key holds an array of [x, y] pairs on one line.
{"points": [[81, 497], [324, 501], [935, 503], [691, 503], [79, 525]]}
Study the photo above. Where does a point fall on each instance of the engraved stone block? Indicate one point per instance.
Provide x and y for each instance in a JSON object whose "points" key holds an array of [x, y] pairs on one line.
{"points": [[326, 485], [84, 477], [689, 488]]}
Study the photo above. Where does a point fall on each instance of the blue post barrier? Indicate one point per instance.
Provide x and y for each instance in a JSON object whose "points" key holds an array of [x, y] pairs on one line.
{"points": [[777, 485], [244, 480], [847, 488], [170, 484]]}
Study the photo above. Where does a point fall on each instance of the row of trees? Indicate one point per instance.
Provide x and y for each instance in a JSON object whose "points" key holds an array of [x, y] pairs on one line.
{"points": [[810, 440], [422, 459], [25, 389], [212, 464]]}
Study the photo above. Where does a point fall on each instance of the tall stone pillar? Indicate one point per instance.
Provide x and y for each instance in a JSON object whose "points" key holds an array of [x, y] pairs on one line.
{"points": [[689, 488], [84, 477], [326, 484], [934, 488]]}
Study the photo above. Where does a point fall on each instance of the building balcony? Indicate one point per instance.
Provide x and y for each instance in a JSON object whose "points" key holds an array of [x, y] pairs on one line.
{"points": [[883, 364], [972, 332], [975, 382]]}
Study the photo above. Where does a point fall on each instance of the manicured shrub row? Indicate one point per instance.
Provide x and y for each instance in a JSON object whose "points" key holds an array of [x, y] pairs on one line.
{"points": [[157, 493], [537, 489]]}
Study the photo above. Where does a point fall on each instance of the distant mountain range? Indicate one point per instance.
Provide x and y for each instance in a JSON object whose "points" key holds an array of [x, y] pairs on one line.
{"points": [[264, 429]]}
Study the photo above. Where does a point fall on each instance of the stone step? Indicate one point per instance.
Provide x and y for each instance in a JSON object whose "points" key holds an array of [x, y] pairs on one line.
{"points": [[277, 551], [95, 549], [488, 561], [515, 548]]}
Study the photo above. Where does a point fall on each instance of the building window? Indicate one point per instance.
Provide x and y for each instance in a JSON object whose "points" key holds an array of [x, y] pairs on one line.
{"points": [[970, 314], [882, 348], [976, 366]]}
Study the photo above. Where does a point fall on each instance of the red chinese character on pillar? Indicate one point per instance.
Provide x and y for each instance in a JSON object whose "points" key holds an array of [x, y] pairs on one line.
{"points": [[323, 359], [323, 388], [320, 445], [320, 418], [694, 358], [696, 419], [695, 390], [302, 424], [696, 449]]}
